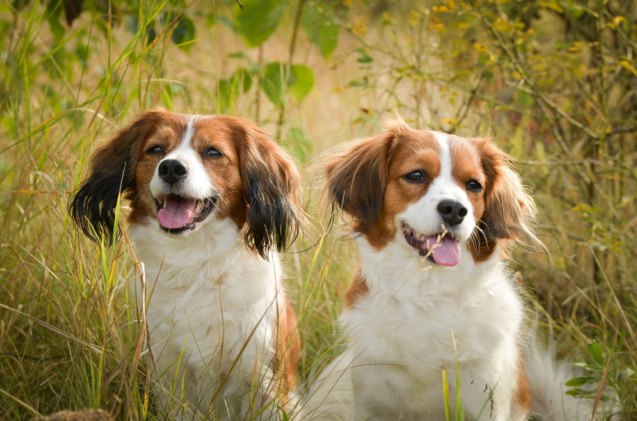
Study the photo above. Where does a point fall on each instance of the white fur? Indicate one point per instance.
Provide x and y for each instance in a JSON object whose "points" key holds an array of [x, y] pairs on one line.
{"points": [[417, 320], [207, 296]]}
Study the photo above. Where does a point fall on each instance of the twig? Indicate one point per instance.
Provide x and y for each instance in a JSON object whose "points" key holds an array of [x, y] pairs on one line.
{"points": [[463, 110]]}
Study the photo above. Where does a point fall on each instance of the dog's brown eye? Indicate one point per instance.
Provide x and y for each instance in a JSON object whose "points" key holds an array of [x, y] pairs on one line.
{"points": [[415, 176], [474, 186], [212, 152], [156, 150]]}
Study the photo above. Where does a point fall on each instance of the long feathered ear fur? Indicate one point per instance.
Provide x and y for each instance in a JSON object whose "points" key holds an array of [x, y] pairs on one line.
{"points": [[271, 190], [356, 179], [508, 207], [112, 172]]}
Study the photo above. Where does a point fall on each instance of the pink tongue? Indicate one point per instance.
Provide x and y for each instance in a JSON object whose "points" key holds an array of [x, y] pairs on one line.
{"points": [[446, 252], [176, 213]]}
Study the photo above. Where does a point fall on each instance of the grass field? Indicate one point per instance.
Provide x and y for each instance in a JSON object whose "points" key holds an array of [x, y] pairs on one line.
{"points": [[68, 335]]}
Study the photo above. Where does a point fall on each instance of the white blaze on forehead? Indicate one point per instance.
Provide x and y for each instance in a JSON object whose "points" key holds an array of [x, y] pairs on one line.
{"points": [[188, 134], [445, 154], [445, 186], [197, 183]]}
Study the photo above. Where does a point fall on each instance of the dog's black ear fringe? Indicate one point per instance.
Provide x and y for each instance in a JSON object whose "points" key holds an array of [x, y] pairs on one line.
{"points": [[112, 172], [93, 206], [272, 217], [271, 191]]}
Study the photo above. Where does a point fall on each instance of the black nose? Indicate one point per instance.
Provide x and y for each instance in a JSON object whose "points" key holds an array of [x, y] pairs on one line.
{"points": [[452, 212], [172, 171]]}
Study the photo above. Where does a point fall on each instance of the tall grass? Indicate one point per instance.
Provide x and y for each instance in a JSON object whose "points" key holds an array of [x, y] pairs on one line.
{"points": [[69, 336]]}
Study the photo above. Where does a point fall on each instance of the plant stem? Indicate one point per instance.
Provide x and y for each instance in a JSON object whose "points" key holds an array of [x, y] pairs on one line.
{"points": [[295, 31]]}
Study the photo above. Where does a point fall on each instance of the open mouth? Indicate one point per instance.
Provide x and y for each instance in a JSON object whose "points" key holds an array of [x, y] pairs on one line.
{"points": [[177, 214], [441, 248]]}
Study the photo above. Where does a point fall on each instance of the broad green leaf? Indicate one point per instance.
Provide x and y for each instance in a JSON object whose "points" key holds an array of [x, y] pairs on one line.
{"points": [[318, 23], [242, 79], [273, 83], [184, 33], [258, 19], [225, 95], [301, 81], [228, 90]]}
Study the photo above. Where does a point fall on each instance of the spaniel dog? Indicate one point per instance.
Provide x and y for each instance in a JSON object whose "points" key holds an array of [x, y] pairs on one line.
{"points": [[211, 198], [433, 318]]}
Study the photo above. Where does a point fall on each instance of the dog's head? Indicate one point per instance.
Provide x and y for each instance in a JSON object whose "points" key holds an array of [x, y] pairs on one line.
{"points": [[431, 192], [179, 170]]}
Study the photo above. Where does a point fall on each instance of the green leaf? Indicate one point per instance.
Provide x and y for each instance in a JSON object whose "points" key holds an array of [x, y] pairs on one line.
{"points": [[319, 24], [298, 144], [364, 58], [359, 83], [258, 19], [228, 90], [580, 381], [184, 33], [242, 79], [272, 83], [225, 95], [596, 354], [275, 83], [301, 81], [53, 14]]}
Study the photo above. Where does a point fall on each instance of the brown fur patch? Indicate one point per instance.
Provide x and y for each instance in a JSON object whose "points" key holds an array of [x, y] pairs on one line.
{"points": [[467, 166], [522, 397], [356, 289], [224, 172], [507, 207], [480, 248], [288, 348]]}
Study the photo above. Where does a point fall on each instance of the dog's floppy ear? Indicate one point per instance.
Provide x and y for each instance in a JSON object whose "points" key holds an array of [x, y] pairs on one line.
{"points": [[112, 172], [508, 207], [271, 190], [357, 178]]}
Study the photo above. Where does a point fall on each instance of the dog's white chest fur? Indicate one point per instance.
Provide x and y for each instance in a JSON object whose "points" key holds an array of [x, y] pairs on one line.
{"points": [[211, 306], [418, 320]]}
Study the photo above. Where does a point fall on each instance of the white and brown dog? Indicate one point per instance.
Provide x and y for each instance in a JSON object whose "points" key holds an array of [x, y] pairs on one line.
{"points": [[211, 198], [433, 311]]}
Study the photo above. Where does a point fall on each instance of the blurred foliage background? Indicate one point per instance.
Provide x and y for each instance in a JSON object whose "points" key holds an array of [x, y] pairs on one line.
{"points": [[554, 82]]}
